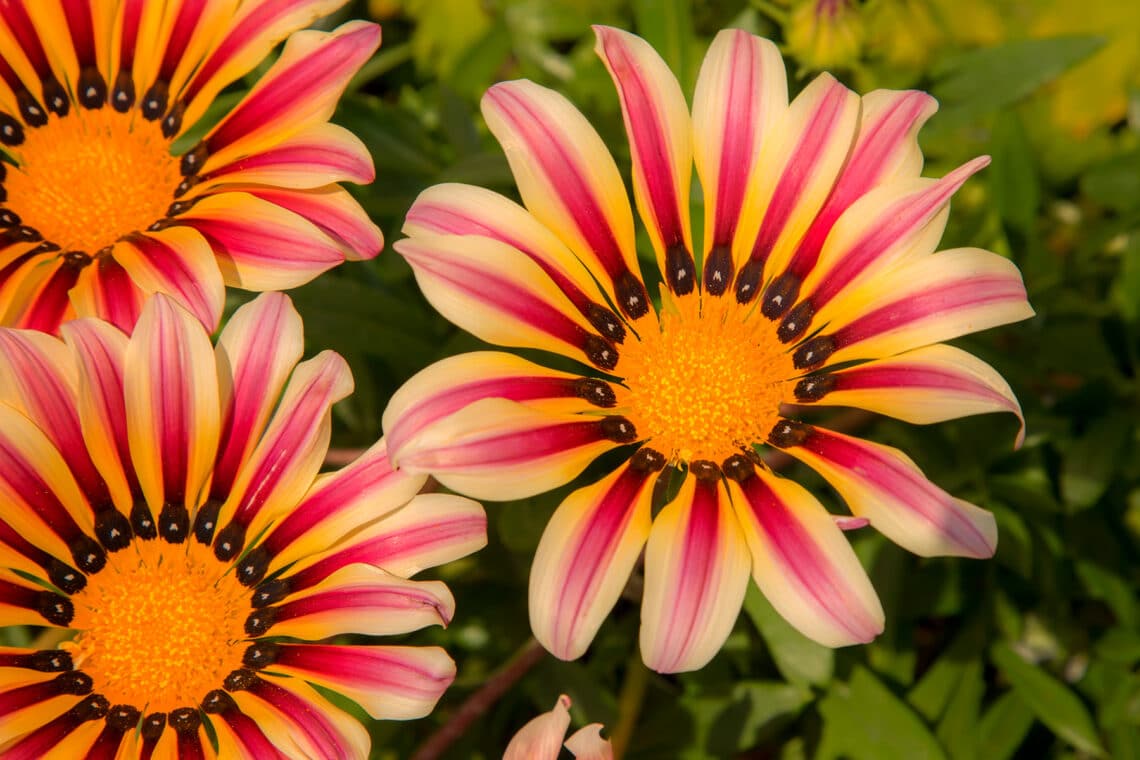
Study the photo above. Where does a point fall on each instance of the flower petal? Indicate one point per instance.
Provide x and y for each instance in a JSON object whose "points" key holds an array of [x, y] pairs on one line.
{"points": [[429, 530], [585, 556], [569, 181], [741, 91], [357, 599], [802, 561], [389, 682], [696, 573], [587, 744], [455, 209], [301, 722], [38, 296], [240, 736], [452, 383], [661, 143], [934, 298], [541, 738], [105, 290], [289, 454], [259, 245], [882, 484], [791, 180], [256, 352], [500, 450], [171, 388], [176, 261], [334, 212], [500, 295], [931, 384]]}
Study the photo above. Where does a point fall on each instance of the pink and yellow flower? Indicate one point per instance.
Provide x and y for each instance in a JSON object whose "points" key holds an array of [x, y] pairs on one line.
{"points": [[95, 210], [162, 500], [815, 283]]}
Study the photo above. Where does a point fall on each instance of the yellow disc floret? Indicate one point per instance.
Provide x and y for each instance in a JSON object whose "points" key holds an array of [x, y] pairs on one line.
{"points": [[160, 626], [85, 180], [708, 382]]}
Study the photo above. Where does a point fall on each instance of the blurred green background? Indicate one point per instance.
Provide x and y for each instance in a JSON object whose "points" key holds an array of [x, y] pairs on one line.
{"points": [[1030, 655]]}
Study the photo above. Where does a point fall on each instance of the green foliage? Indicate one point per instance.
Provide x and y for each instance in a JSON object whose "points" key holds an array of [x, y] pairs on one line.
{"points": [[1032, 654]]}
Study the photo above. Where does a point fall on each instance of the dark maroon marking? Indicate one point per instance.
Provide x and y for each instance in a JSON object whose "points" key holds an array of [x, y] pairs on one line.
{"points": [[789, 433], [815, 387], [679, 266], [719, 271], [779, 296], [748, 281], [795, 323], [815, 352]]}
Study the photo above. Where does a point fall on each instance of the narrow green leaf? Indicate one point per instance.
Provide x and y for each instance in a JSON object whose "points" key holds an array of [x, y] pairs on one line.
{"points": [[798, 658], [667, 25], [1050, 700], [956, 729], [1012, 175], [1003, 727]]}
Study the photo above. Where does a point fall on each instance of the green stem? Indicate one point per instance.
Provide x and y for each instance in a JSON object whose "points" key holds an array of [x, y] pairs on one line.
{"points": [[629, 704]]}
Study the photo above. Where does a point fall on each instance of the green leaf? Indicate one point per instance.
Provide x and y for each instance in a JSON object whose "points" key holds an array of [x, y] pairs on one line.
{"points": [[865, 720], [1003, 727], [798, 658], [1012, 176], [1092, 459], [956, 729], [1050, 700], [982, 81], [1126, 288], [667, 25], [754, 705]]}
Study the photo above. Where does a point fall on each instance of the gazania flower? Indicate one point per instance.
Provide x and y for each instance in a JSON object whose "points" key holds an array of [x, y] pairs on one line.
{"points": [[161, 499], [96, 211], [815, 283], [541, 738]]}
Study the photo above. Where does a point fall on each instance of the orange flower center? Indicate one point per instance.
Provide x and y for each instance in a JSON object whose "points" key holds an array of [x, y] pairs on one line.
{"points": [[85, 180], [708, 382], [160, 626]]}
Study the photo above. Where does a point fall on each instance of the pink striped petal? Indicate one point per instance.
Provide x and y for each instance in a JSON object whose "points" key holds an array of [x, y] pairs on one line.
{"points": [[455, 209], [934, 298], [802, 561], [501, 296], [882, 484], [39, 299], [661, 143], [792, 178], [250, 36], [886, 226], [240, 736], [259, 245], [24, 602], [452, 383], [742, 91], [340, 503], [334, 212], [568, 180], [389, 682], [105, 290], [321, 154], [357, 599], [541, 738], [585, 556], [292, 449], [301, 88], [176, 261], [429, 530], [302, 723], [587, 744], [696, 573], [256, 352], [886, 150], [500, 450], [926, 385], [171, 388]]}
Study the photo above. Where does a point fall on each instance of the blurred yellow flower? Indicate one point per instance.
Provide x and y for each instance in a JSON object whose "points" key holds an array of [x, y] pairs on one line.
{"points": [[824, 34]]}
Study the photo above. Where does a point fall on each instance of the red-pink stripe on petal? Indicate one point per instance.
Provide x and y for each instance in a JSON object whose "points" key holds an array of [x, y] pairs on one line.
{"points": [[189, 13], [22, 463], [392, 601], [50, 304], [179, 263], [111, 294], [79, 24], [333, 211], [316, 157], [306, 718], [514, 447], [253, 740]]}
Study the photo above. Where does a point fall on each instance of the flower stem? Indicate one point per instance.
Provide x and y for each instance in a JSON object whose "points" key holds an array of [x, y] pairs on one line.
{"points": [[480, 701], [629, 704]]}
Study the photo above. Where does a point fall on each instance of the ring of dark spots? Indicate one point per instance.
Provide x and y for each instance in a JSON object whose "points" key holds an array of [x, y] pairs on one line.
{"points": [[142, 522], [679, 266], [260, 654], [252, 567], [748, 281], [65, 577], [779, 296], [260, 621], [113, 529], [705, 469], [123, 93], [597, 392], [796, 322], [206, 521], [92, 88], [123, 718], [185, 720], [74, 682], [173, 523], [632, 297], [788, 433], [618, 429], [814, 352], [88, 555], [270, 592], [240, 680], [739, 467], [600, 351], [647, 459], [230, 541], [814, 387]]}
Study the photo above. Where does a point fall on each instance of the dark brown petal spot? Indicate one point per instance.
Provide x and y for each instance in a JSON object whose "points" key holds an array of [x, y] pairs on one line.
{"points": [[597, 392], [173, 121], [797, 322], [679, 266], [142, 522], [814, 387], [55, 97], [92, 89], [631, 295], [600, 351], [123, 718], [240, 680], [73, 682], [704, 469], [8, 217], [178, 208], [173, 523], [748, 281], [192, 161], [779, 296], [186, 185], [154, 102], [788, 433], [739, 467], [87, 555], [260, 654], [218, 702], [49, 661], [152, 726], [230, 541], [113, 529], [718, 270], [605, 322], [206, 521], [122, 98], [11, 131], [94, 707], [270, 592], [55, 608], [618, 429], [65, 577], [185, 720], [76, 260], [252, 567], [30, 109], [260, 621], [814, 352], [647, 460]]}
